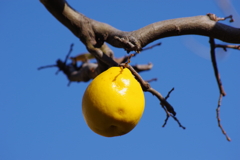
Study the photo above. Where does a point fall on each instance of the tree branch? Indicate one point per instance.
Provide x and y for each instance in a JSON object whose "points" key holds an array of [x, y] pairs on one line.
{"points": [[219, 119], [86, 71], [220, 86], [163, 101], [225, 46], [147, 88], [199, 25], [215, 68], [169, 114], [93, 33]]}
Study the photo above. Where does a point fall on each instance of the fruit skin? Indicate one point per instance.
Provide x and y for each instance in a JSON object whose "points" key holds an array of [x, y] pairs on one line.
{"points": [[113, 103]]}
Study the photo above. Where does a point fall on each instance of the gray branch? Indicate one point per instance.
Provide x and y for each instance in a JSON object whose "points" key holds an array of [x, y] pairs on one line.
{"points": [[93, 33]]}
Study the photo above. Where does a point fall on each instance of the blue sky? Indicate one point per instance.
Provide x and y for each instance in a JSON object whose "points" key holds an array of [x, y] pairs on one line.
{"points": [[41, 118]]}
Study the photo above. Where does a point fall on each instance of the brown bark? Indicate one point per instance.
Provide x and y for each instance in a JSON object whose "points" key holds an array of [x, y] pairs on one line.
{"points": [[93, 33]]}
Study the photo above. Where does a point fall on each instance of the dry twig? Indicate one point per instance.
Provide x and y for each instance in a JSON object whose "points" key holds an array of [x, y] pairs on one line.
{"points": [[224, 47], [169, 114], [219, 119], [151, 80], [147, 88], [214, 63], [215, 18], [220, 86]]}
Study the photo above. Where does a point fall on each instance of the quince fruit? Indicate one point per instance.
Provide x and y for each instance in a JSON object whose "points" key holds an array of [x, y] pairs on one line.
{"points": [[113, 103]]}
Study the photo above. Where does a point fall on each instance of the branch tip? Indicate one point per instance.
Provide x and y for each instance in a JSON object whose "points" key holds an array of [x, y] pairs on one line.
{"points": [[47, 66], [227, 46], [219, 119], [151, 80], [215, 18], [69, 52]]}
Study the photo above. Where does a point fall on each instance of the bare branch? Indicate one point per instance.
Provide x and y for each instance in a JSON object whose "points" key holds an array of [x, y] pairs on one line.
{"points": [[151, 80], [169, 114], [150, 47], [163, 101], [219, 119], [69, 52], [140, 67], [214, 62], [47, 66], [168, 95], [83, 73], [127, 58], [198, 25], [221, 90], [93, 33], [227, 46], [86, 71], [147, 88], [215, 18]]}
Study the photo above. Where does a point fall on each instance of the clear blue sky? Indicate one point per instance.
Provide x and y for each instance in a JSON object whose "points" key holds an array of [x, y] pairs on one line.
{"points": [[41, 118]]}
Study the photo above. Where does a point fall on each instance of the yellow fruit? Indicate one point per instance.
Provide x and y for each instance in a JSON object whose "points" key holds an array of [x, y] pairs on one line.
{"points": [[113, 103]]}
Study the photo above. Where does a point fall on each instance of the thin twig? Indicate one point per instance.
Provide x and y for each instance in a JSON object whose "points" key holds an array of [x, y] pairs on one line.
{"points": [[215, 18], [150, 47], [57, 71], [219, 119], [168, 95], [151, 80], [69, 52], [47, 66], [221, 90], [54, 65], [146, 48], [224, 18], [147, 88], [227, 46], [180, 125], [214, 63], [162, 100], [169, 114]]}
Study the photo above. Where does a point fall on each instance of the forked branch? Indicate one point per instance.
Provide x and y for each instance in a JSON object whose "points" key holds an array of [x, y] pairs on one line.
{"points": [[93, 33], [147, 88], [163, 101], [87, 70]]}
